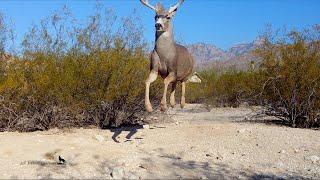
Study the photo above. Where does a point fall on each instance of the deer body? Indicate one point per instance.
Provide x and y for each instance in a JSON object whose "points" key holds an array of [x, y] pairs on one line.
{"points": [[170, 60]]}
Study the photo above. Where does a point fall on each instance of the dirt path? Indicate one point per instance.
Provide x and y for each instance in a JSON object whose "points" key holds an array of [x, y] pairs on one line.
{"points": [[196, 144]]}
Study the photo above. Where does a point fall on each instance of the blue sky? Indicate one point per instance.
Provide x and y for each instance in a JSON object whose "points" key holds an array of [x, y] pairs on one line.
{"points": [[220, 22]]}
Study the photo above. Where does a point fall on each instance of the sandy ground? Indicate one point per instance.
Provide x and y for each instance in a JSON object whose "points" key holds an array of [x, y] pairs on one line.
{"points": [[195, 143]]}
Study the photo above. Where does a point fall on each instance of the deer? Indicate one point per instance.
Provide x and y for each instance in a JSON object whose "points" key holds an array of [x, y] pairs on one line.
{"points": [[168, 59]]}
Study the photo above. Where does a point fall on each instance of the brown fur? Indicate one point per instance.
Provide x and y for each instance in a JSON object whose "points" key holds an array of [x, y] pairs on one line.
{"points": [[170, 60], [160, 9]]}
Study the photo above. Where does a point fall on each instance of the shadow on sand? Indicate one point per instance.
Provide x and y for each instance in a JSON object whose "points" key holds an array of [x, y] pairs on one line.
{"points": [[133, 129]]}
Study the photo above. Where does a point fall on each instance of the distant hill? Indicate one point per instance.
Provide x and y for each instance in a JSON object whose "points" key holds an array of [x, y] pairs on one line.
{"points": [[238, 56], [204, 53]]}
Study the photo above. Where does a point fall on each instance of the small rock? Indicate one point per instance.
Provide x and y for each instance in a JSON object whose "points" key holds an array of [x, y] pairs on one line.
{"points": [[203, 177], [219, 157], [282, 151], [296, 150], [155, 118], [313, 159], [107, 171], [132, 176], [241, 130], [146, 126], [117, 173], [280, 165], [143, 166], [208, 155], [100, 138], [61, 160], [244, 104], [176, 123]]}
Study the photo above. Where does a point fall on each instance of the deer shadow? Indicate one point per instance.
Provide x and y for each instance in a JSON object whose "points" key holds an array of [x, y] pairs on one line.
{"points": [[132, 129]]}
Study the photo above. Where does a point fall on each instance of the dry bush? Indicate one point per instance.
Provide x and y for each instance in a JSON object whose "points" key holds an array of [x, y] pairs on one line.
{"points": [[227, 88], [76, 76], [287, 80], [104, 89], [291, 74], [203, 92]]}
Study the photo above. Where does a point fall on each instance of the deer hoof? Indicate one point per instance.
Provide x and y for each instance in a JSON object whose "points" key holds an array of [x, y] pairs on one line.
{"points": [[183, 102], [163, 107], [182, 105], [149, 108], [172, 104]]}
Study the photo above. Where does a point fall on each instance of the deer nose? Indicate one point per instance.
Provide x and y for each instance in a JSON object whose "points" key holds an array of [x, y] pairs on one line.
{"points": [[158, 25]]}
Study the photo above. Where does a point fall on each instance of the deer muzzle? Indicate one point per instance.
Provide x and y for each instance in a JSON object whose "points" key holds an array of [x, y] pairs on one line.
{"points": [[159, 27]]}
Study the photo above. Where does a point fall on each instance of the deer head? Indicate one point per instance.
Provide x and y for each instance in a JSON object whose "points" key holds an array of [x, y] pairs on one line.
{"points": [[163, 17]]}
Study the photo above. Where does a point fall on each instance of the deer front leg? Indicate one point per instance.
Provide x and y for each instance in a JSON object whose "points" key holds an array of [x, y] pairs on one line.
{"points": [[183, 93], [170, 78], [172, 99], [152, 77]]}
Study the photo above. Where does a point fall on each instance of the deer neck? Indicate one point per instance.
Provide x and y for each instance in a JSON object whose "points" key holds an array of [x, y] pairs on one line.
{"points": [[165, 42]]}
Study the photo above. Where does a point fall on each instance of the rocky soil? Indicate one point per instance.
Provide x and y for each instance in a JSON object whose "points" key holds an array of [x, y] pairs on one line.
{"points": [[191, 143]]}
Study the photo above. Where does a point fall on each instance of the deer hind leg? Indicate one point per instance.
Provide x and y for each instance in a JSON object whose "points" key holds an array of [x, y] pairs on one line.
{"points": [[183, 93], [152, 77], [172, 98], [170, 78]]}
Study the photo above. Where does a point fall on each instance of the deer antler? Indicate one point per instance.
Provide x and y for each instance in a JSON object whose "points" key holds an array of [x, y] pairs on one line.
{"points": [[175, 7], [146, 3]]}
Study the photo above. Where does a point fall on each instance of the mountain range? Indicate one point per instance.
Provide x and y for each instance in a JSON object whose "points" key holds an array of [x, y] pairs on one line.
{"points": [[238, 56]]}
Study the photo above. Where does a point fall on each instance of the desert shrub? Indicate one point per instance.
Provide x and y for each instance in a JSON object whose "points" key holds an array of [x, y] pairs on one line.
{"points": [[226, 88], [235, 87], [202, 92], [103, 89], [76, 76], [286, 81], [3, 30], [291, 73]]}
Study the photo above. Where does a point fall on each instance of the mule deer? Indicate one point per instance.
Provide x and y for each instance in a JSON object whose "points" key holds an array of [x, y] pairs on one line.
{"points": [[170, 60]]}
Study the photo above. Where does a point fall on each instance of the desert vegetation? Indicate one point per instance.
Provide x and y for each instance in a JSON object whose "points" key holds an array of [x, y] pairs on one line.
{"points": [[74, 74], [286, 80]]}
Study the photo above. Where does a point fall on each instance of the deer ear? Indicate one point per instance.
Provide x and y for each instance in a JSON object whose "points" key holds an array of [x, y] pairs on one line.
{"points": [[174, 9], [171, 13]]}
